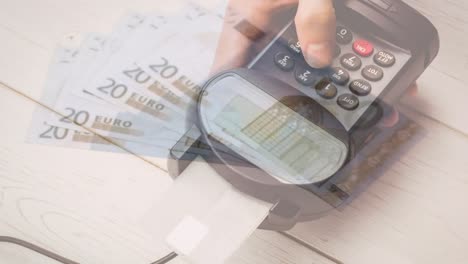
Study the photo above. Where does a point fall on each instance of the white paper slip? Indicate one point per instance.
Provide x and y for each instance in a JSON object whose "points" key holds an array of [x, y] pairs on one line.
{"points": [[207, 225]]}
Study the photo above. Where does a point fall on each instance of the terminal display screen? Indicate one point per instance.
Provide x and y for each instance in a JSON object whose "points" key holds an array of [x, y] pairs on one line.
{"points": [[271, 135]]}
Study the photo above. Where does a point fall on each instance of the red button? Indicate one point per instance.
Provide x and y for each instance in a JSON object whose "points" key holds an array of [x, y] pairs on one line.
{"points": [[363, 48]]}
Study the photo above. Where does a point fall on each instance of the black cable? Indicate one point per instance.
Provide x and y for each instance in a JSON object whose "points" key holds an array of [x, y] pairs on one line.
{"points": [[61, 259], [166, 259], [36, 249]]}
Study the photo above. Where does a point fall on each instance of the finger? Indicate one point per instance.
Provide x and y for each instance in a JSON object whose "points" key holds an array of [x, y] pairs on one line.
{"points": [[413, 90], [235, 46], [391, 119], [316, 28], [232, 51]]}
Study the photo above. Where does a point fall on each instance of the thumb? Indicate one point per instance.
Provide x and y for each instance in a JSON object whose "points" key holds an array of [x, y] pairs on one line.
{"points": [[316, 28]]}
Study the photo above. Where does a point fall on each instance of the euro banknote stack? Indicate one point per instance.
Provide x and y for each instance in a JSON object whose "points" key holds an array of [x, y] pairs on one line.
{"points": [[130, 90]]}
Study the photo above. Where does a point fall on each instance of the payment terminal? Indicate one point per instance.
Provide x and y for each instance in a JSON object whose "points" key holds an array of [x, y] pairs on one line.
{"points": [[286, 133]]}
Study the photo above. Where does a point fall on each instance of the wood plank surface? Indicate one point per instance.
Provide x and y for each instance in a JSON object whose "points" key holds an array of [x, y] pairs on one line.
{"points": [[83, 206], [81, 181], [443, 93], [414, 213]]}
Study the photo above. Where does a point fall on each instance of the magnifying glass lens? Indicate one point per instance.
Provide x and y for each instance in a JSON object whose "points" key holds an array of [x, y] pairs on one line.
{"points": [[268, 133]]}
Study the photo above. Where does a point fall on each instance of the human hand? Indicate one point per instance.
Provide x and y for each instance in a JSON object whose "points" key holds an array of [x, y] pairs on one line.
{"points": [[315, 22]]}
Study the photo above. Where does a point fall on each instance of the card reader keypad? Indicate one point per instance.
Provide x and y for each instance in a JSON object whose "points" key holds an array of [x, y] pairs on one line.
{"points": [[351, 61], [343, 35], [284, 61], [362, 68]]}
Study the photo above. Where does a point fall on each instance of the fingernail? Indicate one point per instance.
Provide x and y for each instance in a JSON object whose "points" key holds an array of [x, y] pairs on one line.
{"points": [[318, 55]]}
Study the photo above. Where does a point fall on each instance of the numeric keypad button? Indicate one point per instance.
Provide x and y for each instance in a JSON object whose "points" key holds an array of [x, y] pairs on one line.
{"points": [[284, 61], [304, 75], [343, 35], [360, 87], [294, 46], [339, 76], [363, 47], [351, 62], [385, 59], [373, 73], [326, 89], [348, 102]]}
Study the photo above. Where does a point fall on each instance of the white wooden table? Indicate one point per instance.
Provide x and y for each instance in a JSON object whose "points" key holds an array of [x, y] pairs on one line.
{"points": [[417, 212]]}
